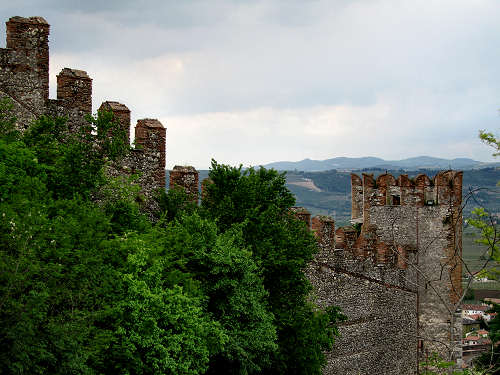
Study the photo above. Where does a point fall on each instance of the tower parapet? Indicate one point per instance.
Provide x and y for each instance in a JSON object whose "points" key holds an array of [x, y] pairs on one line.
{"points": [[417, 225], [397, 267], [358, 274]]}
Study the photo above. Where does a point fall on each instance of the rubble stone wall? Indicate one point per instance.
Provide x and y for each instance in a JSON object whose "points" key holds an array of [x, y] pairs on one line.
{"points": [[379, 299]]}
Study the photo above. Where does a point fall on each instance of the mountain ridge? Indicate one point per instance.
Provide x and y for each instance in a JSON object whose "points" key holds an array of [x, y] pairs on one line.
{"points": [[347, 164]]}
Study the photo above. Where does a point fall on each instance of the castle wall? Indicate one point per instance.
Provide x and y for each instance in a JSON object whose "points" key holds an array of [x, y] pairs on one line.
{"points": [[425, 221], [380, 334], [397, 277], [378, 296]]}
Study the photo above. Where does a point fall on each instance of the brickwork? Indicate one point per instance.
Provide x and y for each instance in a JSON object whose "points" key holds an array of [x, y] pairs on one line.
{"points": [[121, 113], [378, 297], [74, 90], [302, 214], [24, 67]]}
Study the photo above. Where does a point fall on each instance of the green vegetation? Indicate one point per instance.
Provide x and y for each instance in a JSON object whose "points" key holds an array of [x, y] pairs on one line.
{"points": [[436, 365], [487, 226], [89, 285]]}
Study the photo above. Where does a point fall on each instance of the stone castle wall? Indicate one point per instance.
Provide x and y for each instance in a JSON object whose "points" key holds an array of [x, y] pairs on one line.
{"points": [[396, 274], [379, 297]]}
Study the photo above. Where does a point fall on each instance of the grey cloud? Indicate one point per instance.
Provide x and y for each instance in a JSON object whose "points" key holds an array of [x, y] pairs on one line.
{"points": [[434, 63]]}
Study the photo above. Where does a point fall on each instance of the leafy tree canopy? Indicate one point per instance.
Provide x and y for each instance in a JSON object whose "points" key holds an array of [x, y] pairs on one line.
{"points": [[89, 285]]}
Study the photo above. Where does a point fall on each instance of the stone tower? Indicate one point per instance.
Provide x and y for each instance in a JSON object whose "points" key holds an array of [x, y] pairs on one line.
{"points": [[396, 273], [420, 217]]}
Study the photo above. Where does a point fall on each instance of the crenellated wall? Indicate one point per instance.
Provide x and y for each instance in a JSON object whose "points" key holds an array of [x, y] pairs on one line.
{"points": [[378, 295], [396, 273]]}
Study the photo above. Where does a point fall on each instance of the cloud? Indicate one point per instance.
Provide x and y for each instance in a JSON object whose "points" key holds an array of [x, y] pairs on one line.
{"points": [[267, 134], [393, 78]]}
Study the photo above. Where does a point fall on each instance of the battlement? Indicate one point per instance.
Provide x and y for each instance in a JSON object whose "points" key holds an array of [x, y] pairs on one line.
{"points": [[406, 236], [396, 273], [352, 250], [121, 114], [74, 90], [444, 189], [377, 295], [27, 33]]}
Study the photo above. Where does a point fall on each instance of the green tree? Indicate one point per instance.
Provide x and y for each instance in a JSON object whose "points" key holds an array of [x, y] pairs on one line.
{"points": [[88, 285], [258, 202], [79, 292], [75, 161], [224, 271], [490, 139], [488, 237]]}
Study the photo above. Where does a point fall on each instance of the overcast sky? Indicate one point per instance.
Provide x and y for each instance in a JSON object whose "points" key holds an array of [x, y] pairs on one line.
{"points": [[254, 82]]}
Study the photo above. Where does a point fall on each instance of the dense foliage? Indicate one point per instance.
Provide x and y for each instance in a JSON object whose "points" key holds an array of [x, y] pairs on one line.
{"points": [[89, 285], [258, 201]]}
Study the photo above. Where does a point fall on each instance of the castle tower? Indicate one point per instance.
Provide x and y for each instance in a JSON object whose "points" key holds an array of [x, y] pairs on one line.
{"points": [[423, 217], [24, 73]]}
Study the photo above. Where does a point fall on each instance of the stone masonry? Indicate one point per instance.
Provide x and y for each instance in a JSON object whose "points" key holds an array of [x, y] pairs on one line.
{"points": [[396, 273]]}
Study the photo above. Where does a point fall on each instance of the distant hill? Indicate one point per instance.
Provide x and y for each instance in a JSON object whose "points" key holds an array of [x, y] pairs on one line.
{"points": [[344, 163]]}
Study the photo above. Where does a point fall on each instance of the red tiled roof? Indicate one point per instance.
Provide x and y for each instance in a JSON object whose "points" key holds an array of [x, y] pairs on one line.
{"points": [[474, 316]]}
